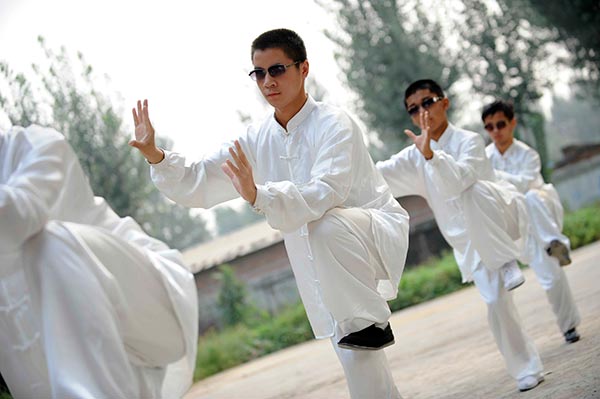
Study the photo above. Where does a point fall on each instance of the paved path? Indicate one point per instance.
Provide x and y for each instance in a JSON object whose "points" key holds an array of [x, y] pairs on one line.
{"points": [[443, 349]]}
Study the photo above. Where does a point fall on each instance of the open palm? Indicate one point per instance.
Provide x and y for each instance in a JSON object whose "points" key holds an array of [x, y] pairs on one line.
{"points": [[422, 141], [144, 134]]}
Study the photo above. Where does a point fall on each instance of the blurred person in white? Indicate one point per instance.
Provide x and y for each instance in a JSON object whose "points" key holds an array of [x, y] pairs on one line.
{"points": [[483, 219], [90, 305], [516, 162], [307, 169]]}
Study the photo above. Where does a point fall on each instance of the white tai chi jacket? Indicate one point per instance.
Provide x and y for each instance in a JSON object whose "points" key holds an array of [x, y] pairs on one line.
{"points": [[41, 181], [521, 166], [319, 163], [458, 163]]}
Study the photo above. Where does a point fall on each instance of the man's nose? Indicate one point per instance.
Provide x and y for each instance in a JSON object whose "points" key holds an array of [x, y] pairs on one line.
{"points": [[269, 81]]}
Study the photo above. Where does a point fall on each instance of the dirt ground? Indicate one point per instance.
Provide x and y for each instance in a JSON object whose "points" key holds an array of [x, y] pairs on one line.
{"points": [[443, 349]]}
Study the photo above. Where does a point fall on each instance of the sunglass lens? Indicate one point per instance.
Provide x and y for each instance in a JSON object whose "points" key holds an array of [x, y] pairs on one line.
{"points": [[428, 102], [489, 127], [500, 125], [413, 111], [257, 74], [276, 70]]}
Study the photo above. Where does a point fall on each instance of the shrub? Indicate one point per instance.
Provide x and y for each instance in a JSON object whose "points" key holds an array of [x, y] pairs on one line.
{"points": [[583, 226]]}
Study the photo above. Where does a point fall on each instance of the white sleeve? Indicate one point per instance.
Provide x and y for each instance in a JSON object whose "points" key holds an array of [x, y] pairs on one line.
{"points": [[30, 193], [529, 171], [200, 184], [288, 206], [402, 174], [453, 176]]}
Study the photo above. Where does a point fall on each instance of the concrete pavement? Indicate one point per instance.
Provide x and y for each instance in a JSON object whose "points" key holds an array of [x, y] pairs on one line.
{"points": [[444, 349]]}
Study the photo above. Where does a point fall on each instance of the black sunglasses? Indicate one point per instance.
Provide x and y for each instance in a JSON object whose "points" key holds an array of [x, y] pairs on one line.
{"points": [[499, 125], [428, 102], [274, 70]]}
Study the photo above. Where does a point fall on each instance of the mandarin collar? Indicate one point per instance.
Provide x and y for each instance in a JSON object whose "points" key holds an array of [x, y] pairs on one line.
{"points": [[446, 136], [509, 150], [300, 116]]}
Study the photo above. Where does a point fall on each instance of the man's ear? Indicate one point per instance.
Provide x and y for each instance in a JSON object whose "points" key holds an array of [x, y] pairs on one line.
{"points": [[513, 122], [446, 103], [304, 68]]}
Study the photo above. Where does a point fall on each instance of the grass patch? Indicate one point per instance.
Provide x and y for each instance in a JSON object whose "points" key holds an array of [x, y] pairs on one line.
{"points": [[583, 226]]}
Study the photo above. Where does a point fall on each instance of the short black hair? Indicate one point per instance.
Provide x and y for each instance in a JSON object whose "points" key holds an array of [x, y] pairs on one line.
{"points": [[423, 84], [506, 107], [287, 40]]}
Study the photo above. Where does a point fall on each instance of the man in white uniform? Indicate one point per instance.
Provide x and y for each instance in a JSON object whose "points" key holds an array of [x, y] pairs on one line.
{"points": [[307, 169], [516, 162], [484, 220], [90, 305]]}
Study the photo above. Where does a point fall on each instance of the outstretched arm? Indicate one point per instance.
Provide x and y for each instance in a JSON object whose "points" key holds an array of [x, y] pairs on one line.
{"points": [[144, 134]]}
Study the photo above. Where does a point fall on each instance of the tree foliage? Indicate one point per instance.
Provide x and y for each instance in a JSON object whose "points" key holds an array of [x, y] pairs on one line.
{"points": [[228, 219], [507, 57], [232, 299], [64, 96], [477, 50], [577, 26], [383, 48]]}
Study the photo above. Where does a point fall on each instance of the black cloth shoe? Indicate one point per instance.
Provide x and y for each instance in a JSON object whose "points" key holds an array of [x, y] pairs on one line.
{"points": [[369, 339], [560, 251], [571, 336]]}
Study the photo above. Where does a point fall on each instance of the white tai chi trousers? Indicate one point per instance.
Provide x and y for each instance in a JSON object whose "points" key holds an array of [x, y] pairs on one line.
{"points": [[546, 215], [518, 350], [343, 242], [497, 222], [85, 316]]}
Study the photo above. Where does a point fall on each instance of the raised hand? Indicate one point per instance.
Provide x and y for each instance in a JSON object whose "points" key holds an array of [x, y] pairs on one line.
{"points": [[422, 141], [144, 134], [240, 173]]}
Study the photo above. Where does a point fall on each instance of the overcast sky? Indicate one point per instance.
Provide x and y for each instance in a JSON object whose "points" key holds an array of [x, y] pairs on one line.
{"points": [[189, 58]]}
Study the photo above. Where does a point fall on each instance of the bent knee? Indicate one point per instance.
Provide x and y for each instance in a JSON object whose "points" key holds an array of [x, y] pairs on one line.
{"points": [[328, 226]]}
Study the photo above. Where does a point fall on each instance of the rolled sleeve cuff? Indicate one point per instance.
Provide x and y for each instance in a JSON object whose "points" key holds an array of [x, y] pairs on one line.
{"points": [[262, 199], [163, 163], [435, 159]]}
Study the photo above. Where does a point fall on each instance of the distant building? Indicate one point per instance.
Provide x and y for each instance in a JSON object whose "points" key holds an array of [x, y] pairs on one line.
{"points": [[577, 176]]}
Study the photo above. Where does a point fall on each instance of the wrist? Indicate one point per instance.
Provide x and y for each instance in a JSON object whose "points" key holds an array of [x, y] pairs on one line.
{"points": [[155, 156]]}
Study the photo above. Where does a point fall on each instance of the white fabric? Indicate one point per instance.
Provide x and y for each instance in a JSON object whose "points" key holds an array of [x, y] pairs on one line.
{"points": [[482, 218], [348, 268], [318, 164], [367, 372], [90, 305], [520, 165], [519, 352]]}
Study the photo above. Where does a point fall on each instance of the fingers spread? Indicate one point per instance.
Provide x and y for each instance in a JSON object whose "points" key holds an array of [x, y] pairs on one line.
{"points": [[139, 111], [135, 118], [235, 157], [410, 134], [241, 153], [234, 169], [227, 171]]}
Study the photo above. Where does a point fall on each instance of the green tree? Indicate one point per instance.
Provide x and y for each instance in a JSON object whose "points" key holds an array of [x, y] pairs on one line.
{"points": [[232, 300], [508, 57], [478, 50], [64, 96], [382, 48], [228, 219], [577, 25]]}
